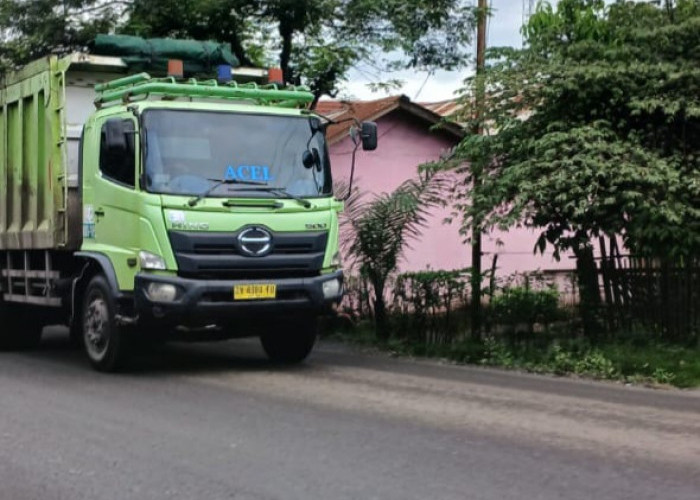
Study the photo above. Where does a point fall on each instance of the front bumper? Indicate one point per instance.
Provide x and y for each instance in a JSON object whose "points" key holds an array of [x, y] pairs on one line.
{"points": [[202, 302]]}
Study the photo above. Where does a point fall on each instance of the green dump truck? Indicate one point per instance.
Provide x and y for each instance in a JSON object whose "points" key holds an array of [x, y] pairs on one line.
{"points": [[136, 207]]}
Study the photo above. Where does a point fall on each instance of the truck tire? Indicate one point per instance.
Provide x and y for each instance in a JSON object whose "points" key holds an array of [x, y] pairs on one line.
{"points": [[19, 329], [105, 342], [75, 333], [291, 342]]}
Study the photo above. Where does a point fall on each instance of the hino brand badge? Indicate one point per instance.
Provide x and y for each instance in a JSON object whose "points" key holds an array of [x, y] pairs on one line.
{"points": [[178, 220], [255, 242]]}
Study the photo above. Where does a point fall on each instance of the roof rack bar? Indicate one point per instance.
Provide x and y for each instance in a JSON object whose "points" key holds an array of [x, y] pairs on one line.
{"points": [[121, 82], [124, 88]]}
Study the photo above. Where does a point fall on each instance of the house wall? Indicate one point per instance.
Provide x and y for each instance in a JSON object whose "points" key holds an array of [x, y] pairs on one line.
{"points": [[404, 144]]}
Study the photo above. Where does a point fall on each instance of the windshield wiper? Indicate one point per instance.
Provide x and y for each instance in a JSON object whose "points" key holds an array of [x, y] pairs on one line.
{"points": [[282, 192], [219, 182]]}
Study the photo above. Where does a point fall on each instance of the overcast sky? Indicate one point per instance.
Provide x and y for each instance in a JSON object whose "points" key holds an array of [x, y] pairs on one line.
{"points": [[504, 29]]}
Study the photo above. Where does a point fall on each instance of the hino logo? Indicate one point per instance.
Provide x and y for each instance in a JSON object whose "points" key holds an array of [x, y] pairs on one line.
{"points": [[255, 242], [191, 226]]}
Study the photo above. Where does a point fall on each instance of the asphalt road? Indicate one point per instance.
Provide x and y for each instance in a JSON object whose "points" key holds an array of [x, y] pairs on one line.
{"points": [[216, 421]]}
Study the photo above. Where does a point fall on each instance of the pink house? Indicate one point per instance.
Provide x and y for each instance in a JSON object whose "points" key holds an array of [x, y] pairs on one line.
{"points": [[406, 140]]}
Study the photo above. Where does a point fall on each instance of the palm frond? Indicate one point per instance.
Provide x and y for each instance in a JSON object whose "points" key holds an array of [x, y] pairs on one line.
{"points": [[377, 232]]}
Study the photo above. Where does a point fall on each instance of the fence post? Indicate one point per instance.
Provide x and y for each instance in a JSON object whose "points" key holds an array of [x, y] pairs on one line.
{"points": [[605, 266]]}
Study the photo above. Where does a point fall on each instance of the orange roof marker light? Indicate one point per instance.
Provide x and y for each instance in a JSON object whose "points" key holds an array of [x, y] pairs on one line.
{"points": [[274, 75], [176, 68]]}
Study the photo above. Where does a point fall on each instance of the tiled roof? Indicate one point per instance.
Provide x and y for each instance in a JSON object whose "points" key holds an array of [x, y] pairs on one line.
{"points": [[328, 108], [443, 108], [373, 110]]}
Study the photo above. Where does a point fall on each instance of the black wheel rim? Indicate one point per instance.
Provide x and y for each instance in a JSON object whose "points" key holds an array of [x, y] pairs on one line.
{"points": [[96, 328]]}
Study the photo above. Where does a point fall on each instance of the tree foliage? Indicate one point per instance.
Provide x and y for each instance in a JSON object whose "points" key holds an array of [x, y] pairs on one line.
{"points": [[32, 28], [595, 128], [316, 42]]}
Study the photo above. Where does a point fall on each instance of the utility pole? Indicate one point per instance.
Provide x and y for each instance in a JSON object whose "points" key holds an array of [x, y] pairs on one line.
{"points": [[528, 8], [476, 172]]}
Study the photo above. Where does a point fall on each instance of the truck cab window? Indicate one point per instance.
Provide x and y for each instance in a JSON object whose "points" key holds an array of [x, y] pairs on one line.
{"points": [[119, 166], [188, 148]]}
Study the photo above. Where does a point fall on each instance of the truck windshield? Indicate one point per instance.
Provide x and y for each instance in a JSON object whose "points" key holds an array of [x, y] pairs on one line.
{"points": [[188, 152]]}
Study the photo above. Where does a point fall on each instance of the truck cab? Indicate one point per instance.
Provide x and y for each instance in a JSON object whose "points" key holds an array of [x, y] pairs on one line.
{"points": [[197, 210]]}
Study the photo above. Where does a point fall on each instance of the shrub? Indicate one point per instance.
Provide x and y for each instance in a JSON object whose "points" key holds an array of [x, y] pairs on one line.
{"points": [[496, 353], [595, 363], [425, 302], [521, 305]]}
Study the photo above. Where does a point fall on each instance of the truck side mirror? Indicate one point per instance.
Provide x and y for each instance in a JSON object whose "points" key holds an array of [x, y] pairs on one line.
{"points": [[115, 135], [369, 136], [307, 159]]}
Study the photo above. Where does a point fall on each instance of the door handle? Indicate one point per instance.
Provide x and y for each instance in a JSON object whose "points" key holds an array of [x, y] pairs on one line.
{"points": [[99, 212]]}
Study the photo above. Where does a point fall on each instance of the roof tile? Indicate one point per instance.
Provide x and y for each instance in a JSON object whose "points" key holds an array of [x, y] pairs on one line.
{"points": [[346, 111], [359, 110]]}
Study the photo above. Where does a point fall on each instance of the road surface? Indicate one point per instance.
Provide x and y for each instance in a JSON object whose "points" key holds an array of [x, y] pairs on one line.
{"points": [[216, 421]]}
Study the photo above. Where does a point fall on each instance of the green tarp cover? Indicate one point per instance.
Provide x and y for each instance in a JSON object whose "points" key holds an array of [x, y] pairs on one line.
{"points": [[153, 54]]}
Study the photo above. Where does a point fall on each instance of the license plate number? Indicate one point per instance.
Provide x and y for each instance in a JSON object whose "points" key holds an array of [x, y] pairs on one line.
{"points": [[254, 292]]}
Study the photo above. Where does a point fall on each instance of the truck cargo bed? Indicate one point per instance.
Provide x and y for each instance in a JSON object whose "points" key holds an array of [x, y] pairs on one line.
{"points": [[41, 116]]}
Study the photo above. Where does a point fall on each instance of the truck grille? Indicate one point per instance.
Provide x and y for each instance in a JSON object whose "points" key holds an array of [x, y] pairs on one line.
{"points": [[218, 255]]}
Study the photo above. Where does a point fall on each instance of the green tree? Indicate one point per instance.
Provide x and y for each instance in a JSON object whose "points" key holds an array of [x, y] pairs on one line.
{"points": [[316, 42], [595, 131], [30, 29], [377, 232]]}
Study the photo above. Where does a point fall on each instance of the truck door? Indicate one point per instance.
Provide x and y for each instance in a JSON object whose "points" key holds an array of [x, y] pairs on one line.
{"points": [[111, 202]]}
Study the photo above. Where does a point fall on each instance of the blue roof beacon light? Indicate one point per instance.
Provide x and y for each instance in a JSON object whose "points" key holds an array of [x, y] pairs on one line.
{"points": [[223, 73]]}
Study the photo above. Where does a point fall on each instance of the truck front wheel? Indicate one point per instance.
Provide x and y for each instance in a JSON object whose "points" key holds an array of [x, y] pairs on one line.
{"points": [[290, 342], [104, 340]]}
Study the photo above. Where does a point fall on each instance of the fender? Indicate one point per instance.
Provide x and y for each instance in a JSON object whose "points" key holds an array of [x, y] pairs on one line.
{"points": [[105, 265]]}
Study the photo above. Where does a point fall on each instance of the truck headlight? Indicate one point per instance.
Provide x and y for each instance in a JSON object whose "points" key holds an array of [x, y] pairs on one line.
{"points": [[331, 289], [161, 292], [151, 261]]}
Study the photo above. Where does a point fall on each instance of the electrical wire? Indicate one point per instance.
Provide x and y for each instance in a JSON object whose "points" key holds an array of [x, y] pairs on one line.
{"points": [[427, 77]]}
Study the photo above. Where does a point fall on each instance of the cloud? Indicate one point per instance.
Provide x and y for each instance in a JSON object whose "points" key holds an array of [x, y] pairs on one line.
{"points": [[438, 87]]}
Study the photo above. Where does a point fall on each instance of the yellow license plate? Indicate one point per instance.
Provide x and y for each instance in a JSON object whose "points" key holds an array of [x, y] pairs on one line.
{"points": [[254, 292]]}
